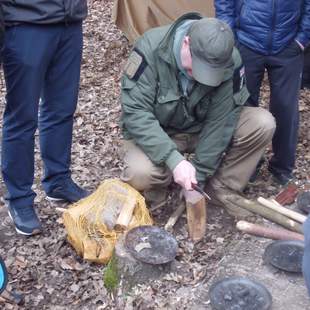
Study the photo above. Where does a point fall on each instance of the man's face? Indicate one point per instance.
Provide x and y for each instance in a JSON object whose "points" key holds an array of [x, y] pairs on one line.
{"points": [[186, 57]]}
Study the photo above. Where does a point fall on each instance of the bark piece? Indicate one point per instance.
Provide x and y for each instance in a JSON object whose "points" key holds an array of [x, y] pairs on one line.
{"points": [[268, 232]]}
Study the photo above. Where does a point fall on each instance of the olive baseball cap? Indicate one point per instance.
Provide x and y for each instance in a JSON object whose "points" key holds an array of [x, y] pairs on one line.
{"points": [[211, 45]]}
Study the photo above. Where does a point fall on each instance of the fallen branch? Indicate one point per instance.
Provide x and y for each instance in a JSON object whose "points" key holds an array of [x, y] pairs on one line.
{"points": [[268, 232], [267, 213], [280, 209], [175, 216]]}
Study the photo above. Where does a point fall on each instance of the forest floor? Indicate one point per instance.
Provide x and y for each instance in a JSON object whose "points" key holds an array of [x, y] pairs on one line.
{"points": [[45, 268]]}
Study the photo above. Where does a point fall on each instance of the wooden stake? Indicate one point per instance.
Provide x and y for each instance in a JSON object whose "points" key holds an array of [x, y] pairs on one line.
{"points": [[267, 213], [175, 216], [280, 209], [196, 219], [268, 232], [125, 215]]}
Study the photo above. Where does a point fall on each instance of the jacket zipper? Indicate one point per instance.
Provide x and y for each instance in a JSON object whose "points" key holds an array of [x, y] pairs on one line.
{"points": [[272, 25], [184, 100]]}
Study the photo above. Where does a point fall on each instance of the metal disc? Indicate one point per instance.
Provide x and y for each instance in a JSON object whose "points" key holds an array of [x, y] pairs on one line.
{"points": [[151, 244], [285, 255], [238, 293], [303, 202], [3, 276]]}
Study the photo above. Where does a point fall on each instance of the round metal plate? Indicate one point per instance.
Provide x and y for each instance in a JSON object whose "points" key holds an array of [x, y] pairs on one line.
{"points": [[237, 293], [3, 276], [303, 202], [285, 255], [151, 244]]}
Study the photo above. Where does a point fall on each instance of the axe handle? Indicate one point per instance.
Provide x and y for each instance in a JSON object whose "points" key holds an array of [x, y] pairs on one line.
{"points": [[268, 232]]}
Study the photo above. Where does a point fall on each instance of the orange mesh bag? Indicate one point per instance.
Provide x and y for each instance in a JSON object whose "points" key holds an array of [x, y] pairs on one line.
{"points": [[90, 223]]}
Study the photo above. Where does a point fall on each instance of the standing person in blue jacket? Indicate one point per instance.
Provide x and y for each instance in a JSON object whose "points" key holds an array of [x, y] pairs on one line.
{"points": [[271, 35], [41, 61]]}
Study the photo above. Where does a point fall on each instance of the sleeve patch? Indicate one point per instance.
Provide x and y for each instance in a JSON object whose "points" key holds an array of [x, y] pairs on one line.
{"points": [[135, 65], [239, 78]]}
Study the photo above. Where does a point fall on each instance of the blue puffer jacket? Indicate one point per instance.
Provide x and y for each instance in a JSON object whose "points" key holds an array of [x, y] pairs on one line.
{"points": [[267, 26]]}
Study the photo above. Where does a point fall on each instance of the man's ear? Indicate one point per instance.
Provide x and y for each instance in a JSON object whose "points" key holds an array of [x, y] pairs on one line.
{"points": [[187, 40]]}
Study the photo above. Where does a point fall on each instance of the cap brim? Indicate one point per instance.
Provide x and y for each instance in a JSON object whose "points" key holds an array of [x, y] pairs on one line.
{"points": [[207, 74]]}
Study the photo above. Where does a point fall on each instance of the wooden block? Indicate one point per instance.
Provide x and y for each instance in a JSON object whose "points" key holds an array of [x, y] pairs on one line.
{"points": [[196, 219]]}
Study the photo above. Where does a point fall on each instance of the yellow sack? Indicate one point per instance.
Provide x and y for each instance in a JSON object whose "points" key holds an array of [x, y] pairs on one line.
{"points": [[90, 222]]}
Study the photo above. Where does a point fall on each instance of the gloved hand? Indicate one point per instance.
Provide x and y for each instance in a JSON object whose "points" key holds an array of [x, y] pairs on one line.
{"points": [[185, 174]]}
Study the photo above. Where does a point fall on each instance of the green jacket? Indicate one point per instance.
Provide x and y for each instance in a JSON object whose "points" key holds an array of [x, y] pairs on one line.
{"points": [[154, 107]]}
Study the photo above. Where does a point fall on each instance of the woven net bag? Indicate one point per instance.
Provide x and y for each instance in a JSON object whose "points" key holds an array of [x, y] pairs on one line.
{"points": [[90, 222]]}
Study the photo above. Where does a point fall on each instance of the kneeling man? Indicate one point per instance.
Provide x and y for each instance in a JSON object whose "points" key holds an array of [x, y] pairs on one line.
{"points": [[183, 91]]}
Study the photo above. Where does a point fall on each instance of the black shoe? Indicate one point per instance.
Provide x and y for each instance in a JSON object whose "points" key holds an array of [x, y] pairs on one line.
{"points": [[25, 220], [67, 191], [281, 178]]}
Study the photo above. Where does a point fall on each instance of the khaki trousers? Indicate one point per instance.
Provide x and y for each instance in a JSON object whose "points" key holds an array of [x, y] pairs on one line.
{"points": [[252, 135]]}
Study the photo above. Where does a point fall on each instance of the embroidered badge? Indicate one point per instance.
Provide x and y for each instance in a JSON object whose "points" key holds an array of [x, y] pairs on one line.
{"points": [[135, 65]]}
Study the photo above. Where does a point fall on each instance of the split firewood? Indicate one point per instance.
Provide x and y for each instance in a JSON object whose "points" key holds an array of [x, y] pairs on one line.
{"points": [[125, 215], [175, 216], [268, 232], [60, 209], [196, 218], [282, 210], [288, 195], [267, 213]]}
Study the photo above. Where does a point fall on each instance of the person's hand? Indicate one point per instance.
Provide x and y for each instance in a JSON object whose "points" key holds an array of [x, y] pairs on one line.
{"points": [[185, 174]]}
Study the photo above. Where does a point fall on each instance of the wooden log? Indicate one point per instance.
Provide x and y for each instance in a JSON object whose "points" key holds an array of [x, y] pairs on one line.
{"points": [[280, 209], [196, 218], [268, 232], [267, 213], [125, 215], [175, 216]]}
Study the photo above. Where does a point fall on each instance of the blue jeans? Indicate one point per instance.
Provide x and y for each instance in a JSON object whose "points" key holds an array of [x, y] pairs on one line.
{"points": [[284, 74], [39, 62], [306, 258]]}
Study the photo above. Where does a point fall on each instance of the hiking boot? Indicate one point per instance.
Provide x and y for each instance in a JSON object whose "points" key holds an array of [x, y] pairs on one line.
{"points": [[281, 178], [25, 220], [67, 191], [222, 196]]}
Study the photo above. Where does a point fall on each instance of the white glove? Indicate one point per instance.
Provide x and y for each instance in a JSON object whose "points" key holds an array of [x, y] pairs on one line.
{"points": [[185, 174]]}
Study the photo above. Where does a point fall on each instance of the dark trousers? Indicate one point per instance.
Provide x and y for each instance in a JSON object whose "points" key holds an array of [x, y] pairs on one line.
{"points": [[306, 258], [284, 75], [40, 62]]}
